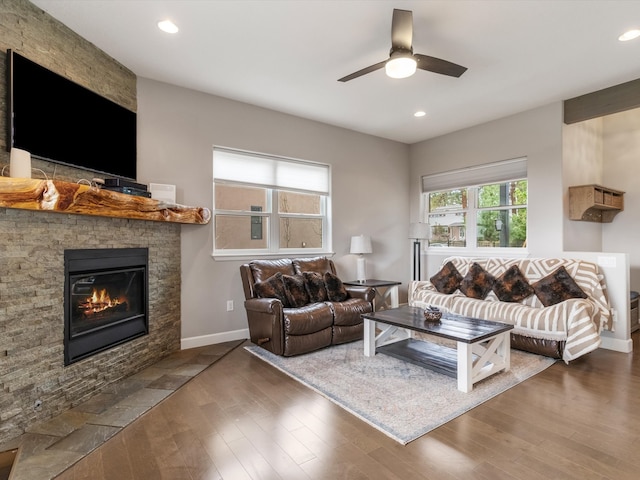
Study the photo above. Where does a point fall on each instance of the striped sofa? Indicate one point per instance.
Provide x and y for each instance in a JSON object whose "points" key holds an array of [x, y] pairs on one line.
{"points": [[566, 330]]}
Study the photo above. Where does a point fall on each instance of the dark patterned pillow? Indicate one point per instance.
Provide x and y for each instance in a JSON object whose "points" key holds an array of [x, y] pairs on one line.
{"points": [[295, 290], [335, 289], [314, 282], [447, 280], [477, 283], [557, 287], [272, 287], [512, 286]]}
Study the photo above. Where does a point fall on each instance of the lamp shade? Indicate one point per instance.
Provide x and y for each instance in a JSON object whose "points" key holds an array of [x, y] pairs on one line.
{"points": [[419, 230], [361, 244]]}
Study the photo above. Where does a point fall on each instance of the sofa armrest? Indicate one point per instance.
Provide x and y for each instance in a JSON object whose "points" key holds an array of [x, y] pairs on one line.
{"points": [[365, 293], [264, 316], [263, 305]]}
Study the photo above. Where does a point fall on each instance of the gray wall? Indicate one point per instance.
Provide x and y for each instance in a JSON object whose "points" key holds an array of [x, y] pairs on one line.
{"points": [[536, 134], [621, 150], [177, 129], [582, 165], [604, 151]]}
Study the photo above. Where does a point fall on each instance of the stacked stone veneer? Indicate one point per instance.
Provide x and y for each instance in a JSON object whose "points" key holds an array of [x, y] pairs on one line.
{"points": [[32, 367], [32, 248]]}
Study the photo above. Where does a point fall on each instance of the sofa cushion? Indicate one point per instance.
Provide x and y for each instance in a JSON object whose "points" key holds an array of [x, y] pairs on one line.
{"points": [[314, 283], [512, 286], [349, 311], [447, 280], [272, 287], [318, 264], [477, 283], [557, 287], [335, 289], [295, 290], [263, 269], [308, 319]]}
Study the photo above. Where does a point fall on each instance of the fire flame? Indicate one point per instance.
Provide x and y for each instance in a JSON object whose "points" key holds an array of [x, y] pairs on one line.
{"points": [[100, 301]]}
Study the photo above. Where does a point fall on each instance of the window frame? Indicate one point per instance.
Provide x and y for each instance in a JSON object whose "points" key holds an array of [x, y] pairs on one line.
{"points": [[471, 224], [272, 215]]}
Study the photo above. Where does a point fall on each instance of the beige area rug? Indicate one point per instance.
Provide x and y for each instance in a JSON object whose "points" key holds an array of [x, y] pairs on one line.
{"points": [[402, 400]]}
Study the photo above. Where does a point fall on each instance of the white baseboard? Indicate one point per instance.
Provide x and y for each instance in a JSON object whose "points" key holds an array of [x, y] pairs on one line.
{"points": [[616, 344], [212, 339]]}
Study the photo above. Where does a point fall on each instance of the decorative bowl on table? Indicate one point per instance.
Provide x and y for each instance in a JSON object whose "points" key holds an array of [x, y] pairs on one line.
{"points": [[432, 314]]}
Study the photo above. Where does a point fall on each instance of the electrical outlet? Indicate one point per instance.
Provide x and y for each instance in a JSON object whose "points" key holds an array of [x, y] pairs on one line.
{"points": [[229, 305]]}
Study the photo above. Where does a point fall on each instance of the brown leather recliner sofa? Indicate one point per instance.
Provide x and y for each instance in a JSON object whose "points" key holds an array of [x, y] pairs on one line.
{"points": [[290, 308]]}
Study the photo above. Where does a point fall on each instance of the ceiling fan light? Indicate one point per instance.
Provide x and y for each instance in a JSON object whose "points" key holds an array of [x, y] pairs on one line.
{"points": [[400, 67]]}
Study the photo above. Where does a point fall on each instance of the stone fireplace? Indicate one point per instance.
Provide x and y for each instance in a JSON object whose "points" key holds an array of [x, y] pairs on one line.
{"points": [[105, 299], [32, 311]]}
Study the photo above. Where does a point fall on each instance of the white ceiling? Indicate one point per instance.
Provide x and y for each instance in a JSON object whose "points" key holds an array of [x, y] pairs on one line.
{"points": [[287, 55]]}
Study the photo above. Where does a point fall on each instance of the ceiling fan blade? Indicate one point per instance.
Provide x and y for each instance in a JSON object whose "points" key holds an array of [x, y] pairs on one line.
{"points": [[364, 71], [437, 65], [401, 30]]}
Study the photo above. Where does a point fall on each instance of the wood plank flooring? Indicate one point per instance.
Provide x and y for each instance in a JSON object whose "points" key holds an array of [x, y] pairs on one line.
{"points": [[242, 419]]}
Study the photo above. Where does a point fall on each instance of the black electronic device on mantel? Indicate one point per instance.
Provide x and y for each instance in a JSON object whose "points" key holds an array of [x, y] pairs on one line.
{"points": [[58, 120]]}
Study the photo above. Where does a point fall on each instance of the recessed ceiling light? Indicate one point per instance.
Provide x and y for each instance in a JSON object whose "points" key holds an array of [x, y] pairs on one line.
{"points": [[419, 113], [630, 35], [168, 26]]}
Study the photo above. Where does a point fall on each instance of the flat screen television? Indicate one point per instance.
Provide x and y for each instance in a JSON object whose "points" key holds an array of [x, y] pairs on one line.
{"points": [[60, 121]]}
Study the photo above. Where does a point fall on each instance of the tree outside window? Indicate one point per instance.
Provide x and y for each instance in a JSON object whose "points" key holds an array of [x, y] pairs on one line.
{"points": [[497, 212]]}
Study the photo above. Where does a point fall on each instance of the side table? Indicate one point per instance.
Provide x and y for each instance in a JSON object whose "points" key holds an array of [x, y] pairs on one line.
{"points": [[387, 297]]}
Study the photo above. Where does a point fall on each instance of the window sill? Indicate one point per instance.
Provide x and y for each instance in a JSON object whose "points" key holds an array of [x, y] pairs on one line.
{"points": [[226, 257], [478, 252]]}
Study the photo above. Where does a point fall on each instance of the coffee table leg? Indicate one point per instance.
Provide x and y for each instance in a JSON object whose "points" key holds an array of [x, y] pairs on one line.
{"points": [[492, 356], [369, 338], [465, 367]]}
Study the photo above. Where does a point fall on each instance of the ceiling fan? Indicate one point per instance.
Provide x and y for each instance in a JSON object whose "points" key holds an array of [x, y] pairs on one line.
{"points": [[402, 62]]}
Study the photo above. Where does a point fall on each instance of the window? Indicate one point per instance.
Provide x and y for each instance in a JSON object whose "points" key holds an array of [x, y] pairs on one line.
{"points": [[269, 205], [491, 214]]}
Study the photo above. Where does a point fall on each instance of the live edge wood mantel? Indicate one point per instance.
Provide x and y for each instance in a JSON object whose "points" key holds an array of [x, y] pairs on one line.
{"points": [[66, 197]]}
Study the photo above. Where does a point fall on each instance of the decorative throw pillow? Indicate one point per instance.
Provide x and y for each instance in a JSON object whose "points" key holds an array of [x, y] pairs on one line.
{"points": [[447, 280], [272, 287], [335, 289], [314, 282], [295, 290], [477, 283], [512, 286], [557, 287]]}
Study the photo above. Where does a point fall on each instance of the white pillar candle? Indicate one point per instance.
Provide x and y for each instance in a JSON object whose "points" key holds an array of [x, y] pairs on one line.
{"points": [[20, 163]]}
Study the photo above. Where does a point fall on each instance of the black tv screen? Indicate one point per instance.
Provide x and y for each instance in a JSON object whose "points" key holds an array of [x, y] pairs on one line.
{"points": [[58, 120]]}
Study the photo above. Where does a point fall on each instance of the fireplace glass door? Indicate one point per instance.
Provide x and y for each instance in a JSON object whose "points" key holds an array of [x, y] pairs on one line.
{"points": [[105, 298]]}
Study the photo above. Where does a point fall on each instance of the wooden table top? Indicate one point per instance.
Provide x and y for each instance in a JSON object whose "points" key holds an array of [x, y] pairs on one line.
{"points": [[450, 326]]}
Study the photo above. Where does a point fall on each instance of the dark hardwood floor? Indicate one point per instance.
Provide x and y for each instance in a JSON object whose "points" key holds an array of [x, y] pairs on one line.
{"points": [[242, 419]]}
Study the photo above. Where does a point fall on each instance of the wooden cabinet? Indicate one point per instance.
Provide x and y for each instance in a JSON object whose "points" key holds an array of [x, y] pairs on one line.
{"points": [[594, 203]]}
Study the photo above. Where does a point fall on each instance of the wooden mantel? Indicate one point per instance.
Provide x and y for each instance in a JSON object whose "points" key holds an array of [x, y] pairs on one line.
{"points": [[66, 197]]}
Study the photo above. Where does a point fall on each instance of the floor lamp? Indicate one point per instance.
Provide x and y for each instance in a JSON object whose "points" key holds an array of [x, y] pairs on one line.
{"points": [[417, 232]]}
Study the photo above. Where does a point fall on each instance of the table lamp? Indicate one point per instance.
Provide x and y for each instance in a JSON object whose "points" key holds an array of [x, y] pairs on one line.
{"points": [[360, 245]]}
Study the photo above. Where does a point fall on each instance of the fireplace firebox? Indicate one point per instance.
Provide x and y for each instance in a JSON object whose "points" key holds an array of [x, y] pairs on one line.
{"points": [[106, 299]]}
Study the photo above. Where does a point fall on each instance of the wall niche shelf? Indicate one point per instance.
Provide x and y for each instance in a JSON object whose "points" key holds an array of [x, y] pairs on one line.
{"points": [[594, 203], [67, 197]]}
